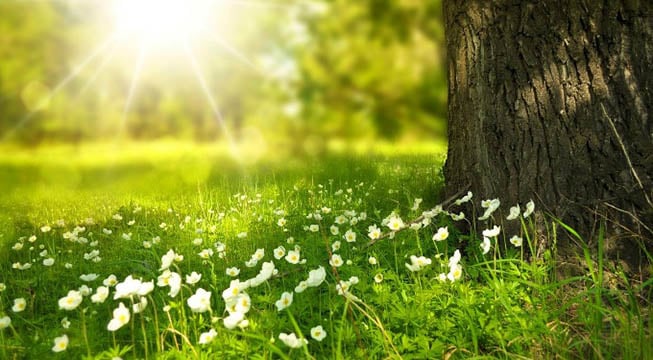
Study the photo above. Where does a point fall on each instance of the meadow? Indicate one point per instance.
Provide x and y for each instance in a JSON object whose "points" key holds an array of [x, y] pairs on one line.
{"points": [[176, 250]]}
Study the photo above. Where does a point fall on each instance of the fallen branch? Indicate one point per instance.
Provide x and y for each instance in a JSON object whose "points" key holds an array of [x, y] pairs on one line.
{"points": [[446, 202]]}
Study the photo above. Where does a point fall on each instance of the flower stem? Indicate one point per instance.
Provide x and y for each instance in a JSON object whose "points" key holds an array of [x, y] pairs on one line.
{"points": [[156, 326], [4, 346], [144, 335], [85, 333]]}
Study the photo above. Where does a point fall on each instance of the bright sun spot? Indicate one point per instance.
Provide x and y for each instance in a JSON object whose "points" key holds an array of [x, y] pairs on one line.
{"points": [[160, 22]]}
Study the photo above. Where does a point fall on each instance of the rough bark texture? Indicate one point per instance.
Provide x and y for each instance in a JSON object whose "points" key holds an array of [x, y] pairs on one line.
{"points": [[552, 101]]}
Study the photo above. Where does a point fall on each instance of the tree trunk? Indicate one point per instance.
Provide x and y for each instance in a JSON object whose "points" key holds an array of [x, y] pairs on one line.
{"points": [[551, 101]]}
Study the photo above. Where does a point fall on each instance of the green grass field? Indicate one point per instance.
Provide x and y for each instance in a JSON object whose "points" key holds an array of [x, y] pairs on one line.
{"points": [[281, 245]]}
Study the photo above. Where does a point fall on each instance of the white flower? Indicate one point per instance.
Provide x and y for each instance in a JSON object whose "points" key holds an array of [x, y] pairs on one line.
{"points": [[516, 241], [530, 207], [48, 262], [318, 333], [5, 321], [303, 285], [378, 278], [110, 281], [128, 288], [314, 228], [65, 323], [279, 252], [85, 290], [233, 271], [372, 260], [259, 254], [117, 217], [292, 341], [494, 232], [242, 303], [193, 278], [455, 272], [101, 294], [417, 263], [70, 301], [107, 231], [340, 219], [251, 263], [207, 337], [88, 277], [416, 204], [206, 253], [234, 289], [485, 245], [282, 222], [121, 317], [60, 343], [140, 305], [197, 241], [335, 246], [441, 234], [200, 302], [395, 223], [316, 277], [293, 256], [167, 259], [453, 260], [284, 301], [233, 320], [336, 260], [458, 217], [45, 228], [464, 199], [373, 232], [171, 279], [19, 305], [267, 270], [350, 236], [514, 213], [490, 206], [127, 236]]}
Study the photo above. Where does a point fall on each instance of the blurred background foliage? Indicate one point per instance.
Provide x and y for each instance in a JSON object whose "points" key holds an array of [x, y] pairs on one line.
{"points": [[307, 73]]}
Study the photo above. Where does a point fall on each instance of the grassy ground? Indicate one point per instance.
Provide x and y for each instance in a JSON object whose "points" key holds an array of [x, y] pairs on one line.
{"points": [[104, 210]]}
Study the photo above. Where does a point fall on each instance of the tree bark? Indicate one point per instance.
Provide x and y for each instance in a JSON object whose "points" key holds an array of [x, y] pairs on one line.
{"points": [[551, 101]]}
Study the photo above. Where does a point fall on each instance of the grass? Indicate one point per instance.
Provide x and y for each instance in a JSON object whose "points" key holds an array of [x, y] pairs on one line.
{"points": [[130, 206]]}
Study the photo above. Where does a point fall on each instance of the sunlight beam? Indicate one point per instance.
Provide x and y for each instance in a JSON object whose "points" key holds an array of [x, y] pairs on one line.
{"points": [[98, 71], [199, 75], [136, 74], [237, 54], [63, 83]]}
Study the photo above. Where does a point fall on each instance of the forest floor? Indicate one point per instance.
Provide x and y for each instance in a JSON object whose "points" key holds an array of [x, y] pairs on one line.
{"points": [[176, 250]]}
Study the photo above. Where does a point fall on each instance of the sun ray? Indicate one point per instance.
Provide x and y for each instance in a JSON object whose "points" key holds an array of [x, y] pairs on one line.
{"points": [[63, 83], [237, 54], [199, 75], [136, 74], [105, 61]]}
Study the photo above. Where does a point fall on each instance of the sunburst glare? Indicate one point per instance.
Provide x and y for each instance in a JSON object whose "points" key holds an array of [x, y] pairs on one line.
{"points": [[161, 23], [158, 48]]}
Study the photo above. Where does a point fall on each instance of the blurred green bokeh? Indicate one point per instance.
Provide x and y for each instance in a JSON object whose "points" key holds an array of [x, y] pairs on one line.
{"points": [[306, 75]]}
